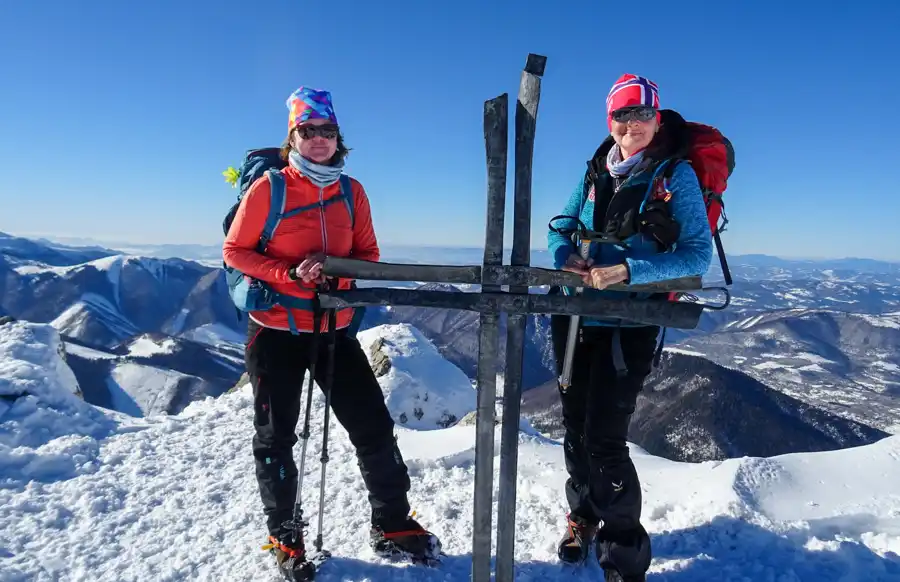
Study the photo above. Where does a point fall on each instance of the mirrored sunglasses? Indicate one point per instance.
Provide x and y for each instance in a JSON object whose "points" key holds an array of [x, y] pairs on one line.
{"points": [[328, 131], [637, 113]]}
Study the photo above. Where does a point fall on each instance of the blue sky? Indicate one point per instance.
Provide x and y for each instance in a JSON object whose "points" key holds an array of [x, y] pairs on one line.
{"points": [[118, 117]]}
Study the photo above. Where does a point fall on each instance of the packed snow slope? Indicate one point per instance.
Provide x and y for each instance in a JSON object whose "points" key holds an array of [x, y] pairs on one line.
{"points": [[99, 496]]}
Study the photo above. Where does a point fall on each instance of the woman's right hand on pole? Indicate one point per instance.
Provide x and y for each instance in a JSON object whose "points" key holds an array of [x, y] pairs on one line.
{"points": [[576, 264], [311, 268]]}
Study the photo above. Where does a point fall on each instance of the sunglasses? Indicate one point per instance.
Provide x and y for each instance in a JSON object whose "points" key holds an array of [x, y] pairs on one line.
{"points": [[328, 131], [636, 113]]}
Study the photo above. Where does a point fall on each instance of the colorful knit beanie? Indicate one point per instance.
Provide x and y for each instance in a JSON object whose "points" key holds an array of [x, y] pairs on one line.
{"points": [[629, 91], [305, 104]]}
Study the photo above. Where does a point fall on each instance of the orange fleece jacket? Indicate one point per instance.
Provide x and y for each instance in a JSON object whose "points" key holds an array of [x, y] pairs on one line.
{"points": [[325, 230]]}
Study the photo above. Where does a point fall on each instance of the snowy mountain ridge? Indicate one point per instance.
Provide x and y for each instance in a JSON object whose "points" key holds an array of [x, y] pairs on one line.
{"points": [[846, 363], [48, 252], [888, 319], [153, 373], [103, 302], [108, 300], [114, 493], [693, 409]]}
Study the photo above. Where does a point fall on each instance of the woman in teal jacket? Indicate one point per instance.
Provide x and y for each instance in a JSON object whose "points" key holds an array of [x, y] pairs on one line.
{"points": [[660, 237]]}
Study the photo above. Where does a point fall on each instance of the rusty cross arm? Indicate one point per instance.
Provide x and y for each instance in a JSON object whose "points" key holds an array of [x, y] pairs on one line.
{"points": [[669, 314], [679, 315], [489, 275]]}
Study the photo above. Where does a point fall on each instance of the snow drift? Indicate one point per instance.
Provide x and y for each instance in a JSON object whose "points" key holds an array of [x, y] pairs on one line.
{"points": [[46, 429]]}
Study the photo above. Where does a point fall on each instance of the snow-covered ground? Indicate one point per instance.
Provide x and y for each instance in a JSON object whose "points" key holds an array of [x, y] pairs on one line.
{"points": [[175, 498], [47, 432]]}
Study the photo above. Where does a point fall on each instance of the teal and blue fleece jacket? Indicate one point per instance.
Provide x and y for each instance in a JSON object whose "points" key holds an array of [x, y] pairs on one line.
{"points": [[689, 256]]}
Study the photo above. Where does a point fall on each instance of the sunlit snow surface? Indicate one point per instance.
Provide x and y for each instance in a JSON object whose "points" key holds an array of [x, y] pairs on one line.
{"points": [[91, 495]]}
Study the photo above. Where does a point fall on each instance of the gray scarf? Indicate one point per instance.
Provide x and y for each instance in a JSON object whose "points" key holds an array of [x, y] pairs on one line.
{"points": [[619, 167], [318, 174]]}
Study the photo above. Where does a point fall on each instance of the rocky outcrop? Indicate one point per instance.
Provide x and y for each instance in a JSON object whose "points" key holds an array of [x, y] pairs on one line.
{"points": [[380, 362], [243, 381]]}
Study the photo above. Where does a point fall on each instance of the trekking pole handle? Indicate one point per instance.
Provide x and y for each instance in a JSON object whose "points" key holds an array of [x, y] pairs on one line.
{"points": [[565, 379], [581, 232]]}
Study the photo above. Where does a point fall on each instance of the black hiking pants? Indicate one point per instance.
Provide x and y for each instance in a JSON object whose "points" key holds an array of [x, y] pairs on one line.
{"points": [[277, 362], [608, 372]]}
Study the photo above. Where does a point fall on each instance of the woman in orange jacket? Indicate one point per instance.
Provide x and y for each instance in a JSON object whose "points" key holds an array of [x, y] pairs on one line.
{"points": [[277, 359]]}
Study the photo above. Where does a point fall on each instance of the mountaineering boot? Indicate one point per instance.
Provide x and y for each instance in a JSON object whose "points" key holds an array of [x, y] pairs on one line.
{"points": [[404, 539], [625, 556], [291, 558], [576, 542]]}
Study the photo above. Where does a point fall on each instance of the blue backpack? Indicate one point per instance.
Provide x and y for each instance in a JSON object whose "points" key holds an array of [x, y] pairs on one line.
{"points": [[248, 293]]}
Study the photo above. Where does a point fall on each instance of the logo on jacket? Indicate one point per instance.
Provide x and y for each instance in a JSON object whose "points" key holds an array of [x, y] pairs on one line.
{"points": [[661, 190], [591, 194]]}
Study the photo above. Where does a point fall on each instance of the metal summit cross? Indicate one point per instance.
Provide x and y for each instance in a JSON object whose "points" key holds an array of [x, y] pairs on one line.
{"points": [[517, 302]]}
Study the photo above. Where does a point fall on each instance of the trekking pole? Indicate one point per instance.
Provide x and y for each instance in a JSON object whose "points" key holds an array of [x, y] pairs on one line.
{"points": [[298, 521], [329, 379], [565, 379]]}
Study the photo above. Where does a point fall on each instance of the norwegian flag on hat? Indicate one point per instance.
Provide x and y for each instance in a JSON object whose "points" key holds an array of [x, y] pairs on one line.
{"points": [[630, 90]]}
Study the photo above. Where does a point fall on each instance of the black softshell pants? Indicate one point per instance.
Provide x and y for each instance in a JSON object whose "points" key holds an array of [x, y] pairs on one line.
{"points": [[276, 363], [608, 372]]}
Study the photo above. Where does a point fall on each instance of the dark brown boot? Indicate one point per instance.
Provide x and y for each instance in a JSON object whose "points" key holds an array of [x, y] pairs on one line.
{"points": [[576, 542]]}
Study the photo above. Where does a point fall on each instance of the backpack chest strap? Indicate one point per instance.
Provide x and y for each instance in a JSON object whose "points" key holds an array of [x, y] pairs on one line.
{"points": [[313, 206], [345, 196], [278, 198]]}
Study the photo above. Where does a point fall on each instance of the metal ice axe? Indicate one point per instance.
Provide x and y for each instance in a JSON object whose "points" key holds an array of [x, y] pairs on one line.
{"points": [[565, 379], [584, 237]]}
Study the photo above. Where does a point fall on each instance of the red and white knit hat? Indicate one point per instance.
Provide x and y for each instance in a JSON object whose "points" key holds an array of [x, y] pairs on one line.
{"points": [[630, 90]]}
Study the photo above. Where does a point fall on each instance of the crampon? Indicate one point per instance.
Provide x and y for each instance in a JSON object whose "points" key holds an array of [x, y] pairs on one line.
{"points": [[413, 544], [293, 563]]}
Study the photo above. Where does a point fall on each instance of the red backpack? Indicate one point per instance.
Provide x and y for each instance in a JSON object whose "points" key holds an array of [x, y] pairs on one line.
{"points": [[712, 157]]}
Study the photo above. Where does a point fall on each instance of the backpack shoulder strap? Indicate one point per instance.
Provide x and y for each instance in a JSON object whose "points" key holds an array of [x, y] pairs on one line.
{"points": [[347, 193], [276, 208], [586, 187], [708, 196], [670, 167]]}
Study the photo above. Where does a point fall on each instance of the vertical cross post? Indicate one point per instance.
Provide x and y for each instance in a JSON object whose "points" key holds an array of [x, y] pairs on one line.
{"points": [[526, 120], [496, 116]]}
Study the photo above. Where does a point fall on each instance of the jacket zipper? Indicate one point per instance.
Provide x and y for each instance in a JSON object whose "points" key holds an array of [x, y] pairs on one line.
{"points": [[322, 219], [616, 190], [324, 323]]}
